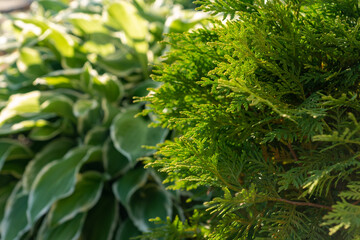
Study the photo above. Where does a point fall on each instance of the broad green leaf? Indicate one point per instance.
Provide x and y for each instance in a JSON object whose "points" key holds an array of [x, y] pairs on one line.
{"points": [[88, 23], [30, 63], [120, 63], [130, 135], [115, 163], [126, 230], [126, 186], [52, 151], [86, 194], [55, 81], [21, 104], [99, 45], [101, 221], [69, 230], [88, 113], [83, 106], [5, 191], [15, 167], [109, 87], [11, 149], [15, 222], [85, 76], [61, 175], [30, 103], [149, 202], [59, 104], [96, 136], [110, 111], [125, 16], [53, 35], [65, 78], [20, 123], [51, 5], [46, 132]]}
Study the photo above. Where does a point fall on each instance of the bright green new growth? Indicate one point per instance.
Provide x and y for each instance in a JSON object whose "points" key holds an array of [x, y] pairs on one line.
{"points": [[267, 106]]}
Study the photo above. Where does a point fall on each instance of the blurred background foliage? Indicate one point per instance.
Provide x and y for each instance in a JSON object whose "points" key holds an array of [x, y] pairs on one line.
{"points": [[69, 141]]}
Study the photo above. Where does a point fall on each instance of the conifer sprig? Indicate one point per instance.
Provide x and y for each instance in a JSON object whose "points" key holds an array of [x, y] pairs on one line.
{"points": [[266, 106]]}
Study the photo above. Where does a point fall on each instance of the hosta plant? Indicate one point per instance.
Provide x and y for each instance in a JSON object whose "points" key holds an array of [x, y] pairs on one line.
{"points": [[266, 105], [69, 142]]}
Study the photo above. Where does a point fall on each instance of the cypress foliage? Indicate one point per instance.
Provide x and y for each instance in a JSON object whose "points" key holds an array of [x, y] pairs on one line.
{"points": [[266, 106]]}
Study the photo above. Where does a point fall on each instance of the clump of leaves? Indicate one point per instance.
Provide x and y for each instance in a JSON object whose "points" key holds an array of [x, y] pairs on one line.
{"points": [[69, 140], [267, 106]]}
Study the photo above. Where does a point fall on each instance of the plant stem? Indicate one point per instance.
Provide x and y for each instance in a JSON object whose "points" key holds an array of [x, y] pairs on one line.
{"points": [[301, 203]]}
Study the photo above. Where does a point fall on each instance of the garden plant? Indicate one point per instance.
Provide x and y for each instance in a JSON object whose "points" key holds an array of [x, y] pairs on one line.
{"points": [[69, 142], [265, 106]]}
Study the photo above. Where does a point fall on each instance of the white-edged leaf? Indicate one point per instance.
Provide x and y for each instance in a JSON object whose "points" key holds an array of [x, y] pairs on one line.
{"points": [[61, 176], [146, 203], [69, 230], [102, 219], [126, 186], [86, 194], [115, 163], [130, 135], [15, 223], [126, 230], [11, 149], [52, 151]]}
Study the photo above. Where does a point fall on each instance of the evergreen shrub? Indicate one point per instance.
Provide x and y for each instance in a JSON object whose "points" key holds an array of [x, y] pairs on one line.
{"points": [[266, 107]]}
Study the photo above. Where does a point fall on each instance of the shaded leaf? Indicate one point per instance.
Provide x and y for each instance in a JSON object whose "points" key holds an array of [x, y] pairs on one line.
{"points": [[149, 202], [5, 192], [126, 230], [130, 134], [62, 175], [101, 221], [69, 230], [11, 149], [52, 151], [126, 186], [115, 163], [96, 136], [15, 222], [87, 192], [83, 106]]}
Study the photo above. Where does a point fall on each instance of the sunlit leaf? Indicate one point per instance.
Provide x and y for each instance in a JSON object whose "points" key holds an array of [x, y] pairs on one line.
{"points": [[30, 63], [124, 16]]}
